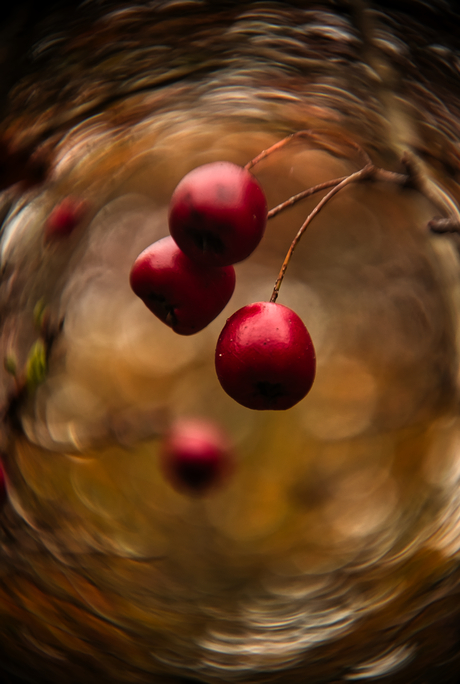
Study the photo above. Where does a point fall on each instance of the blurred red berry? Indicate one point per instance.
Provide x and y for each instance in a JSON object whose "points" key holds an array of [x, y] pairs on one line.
{"points": [[196, 456], [64, 218]]}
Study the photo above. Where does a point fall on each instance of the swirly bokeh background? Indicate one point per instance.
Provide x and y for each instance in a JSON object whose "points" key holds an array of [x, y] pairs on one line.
{"points": [[331, 554]]}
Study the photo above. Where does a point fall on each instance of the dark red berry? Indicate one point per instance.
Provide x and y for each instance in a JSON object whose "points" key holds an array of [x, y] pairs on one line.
{"points": [[265, 358], [181, 293], [64, 218], [218, 214], [196, 456]]}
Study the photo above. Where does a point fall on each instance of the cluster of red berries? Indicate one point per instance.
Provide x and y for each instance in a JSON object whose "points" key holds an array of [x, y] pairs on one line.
{"points": [[265, 358], [217, 216]]}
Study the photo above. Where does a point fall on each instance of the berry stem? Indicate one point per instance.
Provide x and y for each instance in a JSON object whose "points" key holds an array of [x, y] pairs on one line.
{"points": [[366, 172], [414, 177], [277, 146], [378, 174], [317, 136], [302, 195]]}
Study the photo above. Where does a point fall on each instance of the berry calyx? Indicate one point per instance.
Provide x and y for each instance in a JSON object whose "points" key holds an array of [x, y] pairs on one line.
{"points": [[265, 359], [180, 292], [218, 214], [196, 456]]}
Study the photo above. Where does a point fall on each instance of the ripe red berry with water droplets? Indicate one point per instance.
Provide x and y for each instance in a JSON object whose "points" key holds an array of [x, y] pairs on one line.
{"points": [[181, 293], [265, 357], [196, 456], [218, 214], [64, 218]]}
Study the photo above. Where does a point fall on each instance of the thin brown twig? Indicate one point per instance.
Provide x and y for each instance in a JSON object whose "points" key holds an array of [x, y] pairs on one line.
{"points": [[385, 176], [315, 135], [444, 225], [413, 177], [302, 195], [378, 174], [366, 172], [429, 188], [273, 148]]}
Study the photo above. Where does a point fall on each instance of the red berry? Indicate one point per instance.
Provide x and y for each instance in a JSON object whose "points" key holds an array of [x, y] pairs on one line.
{"points": [[181, 293], [196, 456], [218, 214], [265, 358], [64, 218]]}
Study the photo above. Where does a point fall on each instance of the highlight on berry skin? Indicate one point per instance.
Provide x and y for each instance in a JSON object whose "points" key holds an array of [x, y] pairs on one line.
{"points": [[183, 294], [218, 214], [196, 456], [265, 358]]}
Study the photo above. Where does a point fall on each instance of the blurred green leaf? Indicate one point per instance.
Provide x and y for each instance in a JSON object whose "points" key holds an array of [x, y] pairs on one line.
{"points": [[36, 365], [39, 311]]}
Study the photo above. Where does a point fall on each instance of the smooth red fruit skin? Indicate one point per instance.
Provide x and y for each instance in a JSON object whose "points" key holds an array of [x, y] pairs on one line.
{"points": [[181, 293], [196, 456], [265, 358], [218, 214]]}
